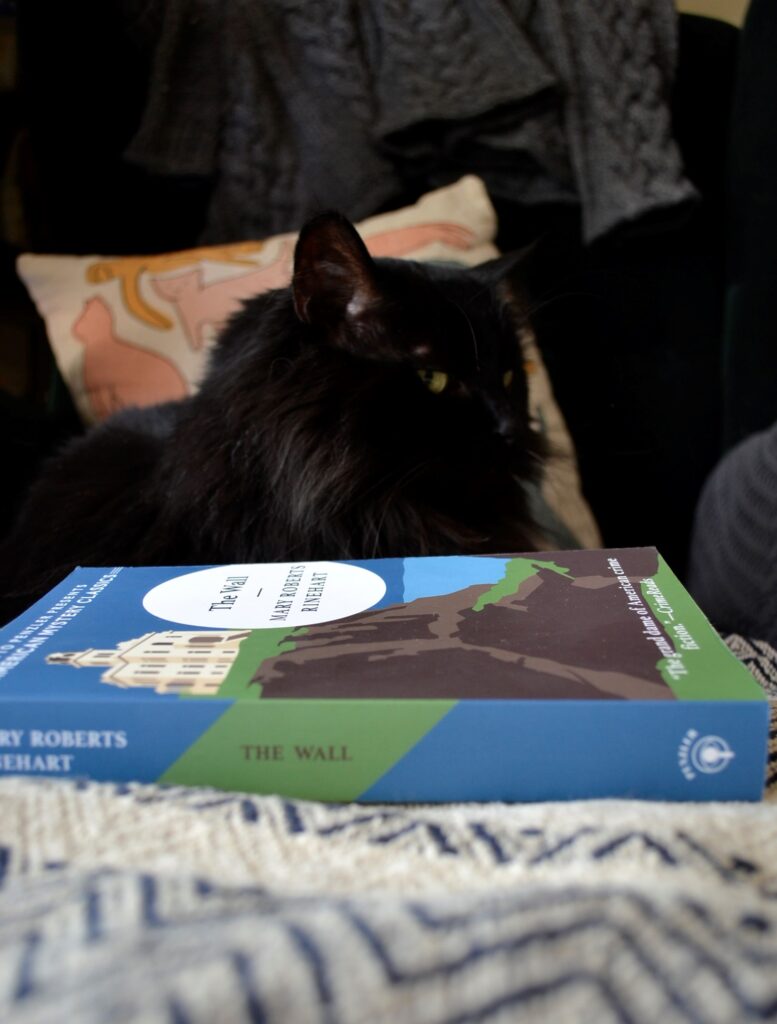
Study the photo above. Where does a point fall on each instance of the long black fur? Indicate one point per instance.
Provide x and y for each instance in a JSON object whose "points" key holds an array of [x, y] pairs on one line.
{"points": [[312, 436]]}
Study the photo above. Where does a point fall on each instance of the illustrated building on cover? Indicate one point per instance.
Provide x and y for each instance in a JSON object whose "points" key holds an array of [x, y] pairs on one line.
{"points": [[173, 661]]}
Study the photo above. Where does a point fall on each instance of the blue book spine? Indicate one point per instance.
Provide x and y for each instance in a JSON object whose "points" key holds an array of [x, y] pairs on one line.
{"points": [[478, 750], [565, 750]]}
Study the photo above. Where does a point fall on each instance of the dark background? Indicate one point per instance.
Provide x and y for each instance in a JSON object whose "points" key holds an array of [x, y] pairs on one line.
{"points": [[632, 328]]}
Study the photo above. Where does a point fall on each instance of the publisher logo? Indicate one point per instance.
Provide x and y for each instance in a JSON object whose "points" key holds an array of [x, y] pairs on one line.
{"points": [[705, 755]]}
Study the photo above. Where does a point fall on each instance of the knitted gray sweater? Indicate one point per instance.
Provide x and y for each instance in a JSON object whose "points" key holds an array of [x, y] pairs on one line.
{"points": [[293, 106]]}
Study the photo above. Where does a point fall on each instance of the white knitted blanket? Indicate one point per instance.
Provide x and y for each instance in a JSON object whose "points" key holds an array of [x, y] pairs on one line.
{"points": [[141, 903]]}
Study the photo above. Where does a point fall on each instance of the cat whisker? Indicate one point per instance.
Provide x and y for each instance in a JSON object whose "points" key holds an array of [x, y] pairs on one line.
{"points": [[471, 331], [398, 483], [376, 528], [541, 303]]}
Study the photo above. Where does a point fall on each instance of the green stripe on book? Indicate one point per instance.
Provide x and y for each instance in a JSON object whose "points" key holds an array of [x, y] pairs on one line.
{"points": [[703, 668], [319, 750]]}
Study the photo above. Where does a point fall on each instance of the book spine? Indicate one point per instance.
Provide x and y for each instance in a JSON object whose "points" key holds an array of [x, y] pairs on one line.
{"points": [[401, 751], [563, 750], [133, 740]]}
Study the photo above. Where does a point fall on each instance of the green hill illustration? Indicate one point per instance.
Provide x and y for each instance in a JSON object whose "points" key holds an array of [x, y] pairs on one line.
{"points": [[541, 634]]}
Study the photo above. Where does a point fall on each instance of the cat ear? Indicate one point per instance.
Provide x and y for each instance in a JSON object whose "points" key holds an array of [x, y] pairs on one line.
{"points": [[334, 276]]}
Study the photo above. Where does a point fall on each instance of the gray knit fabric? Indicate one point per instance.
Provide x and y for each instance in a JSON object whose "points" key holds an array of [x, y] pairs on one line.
{"points": [[733, 565], [292, 106]]}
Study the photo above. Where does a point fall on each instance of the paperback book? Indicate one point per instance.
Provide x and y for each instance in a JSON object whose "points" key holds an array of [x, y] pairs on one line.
{"points": [[543, 676]]}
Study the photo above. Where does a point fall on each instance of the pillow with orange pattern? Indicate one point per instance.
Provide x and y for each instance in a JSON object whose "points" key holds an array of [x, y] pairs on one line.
{"points": [[135, 330]]}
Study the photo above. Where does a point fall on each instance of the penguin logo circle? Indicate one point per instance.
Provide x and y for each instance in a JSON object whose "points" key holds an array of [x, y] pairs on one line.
{"points": [[710, 754]]}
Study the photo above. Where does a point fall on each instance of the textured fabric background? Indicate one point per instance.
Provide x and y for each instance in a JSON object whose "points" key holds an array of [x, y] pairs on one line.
{"points": [[143, 904], [293, 106]]}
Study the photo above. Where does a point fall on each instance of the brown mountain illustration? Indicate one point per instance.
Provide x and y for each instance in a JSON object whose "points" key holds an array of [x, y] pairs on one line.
{"points": [[556, 638]]}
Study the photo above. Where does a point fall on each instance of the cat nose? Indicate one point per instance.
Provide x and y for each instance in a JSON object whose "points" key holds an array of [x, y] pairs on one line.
{"points": [[504, 425], [501, 416]]}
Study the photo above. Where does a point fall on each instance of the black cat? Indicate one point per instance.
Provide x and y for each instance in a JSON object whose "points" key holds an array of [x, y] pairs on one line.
{"points": [[374, 408]]}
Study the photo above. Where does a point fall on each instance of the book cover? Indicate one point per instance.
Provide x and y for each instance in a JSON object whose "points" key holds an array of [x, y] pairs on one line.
{"points": [[543, 676]]}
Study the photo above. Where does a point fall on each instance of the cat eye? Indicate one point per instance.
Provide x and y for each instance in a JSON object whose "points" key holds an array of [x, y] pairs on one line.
{"points": [[435, 380], [507, 378]]}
